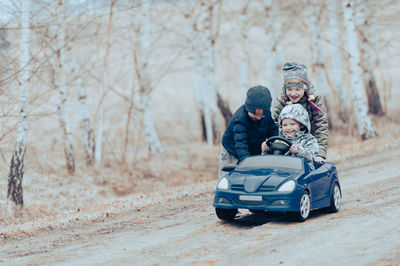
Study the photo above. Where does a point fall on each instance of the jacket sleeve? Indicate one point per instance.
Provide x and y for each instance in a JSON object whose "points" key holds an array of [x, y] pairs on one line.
{"points": [[241, 144], [278, 106], [320, 126], [309, 149]]}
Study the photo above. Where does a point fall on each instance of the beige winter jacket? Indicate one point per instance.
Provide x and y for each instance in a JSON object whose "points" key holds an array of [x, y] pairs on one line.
{"points": [[319, 121]]}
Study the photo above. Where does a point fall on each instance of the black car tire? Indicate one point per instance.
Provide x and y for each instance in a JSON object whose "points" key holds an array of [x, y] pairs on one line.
{"points": [[226, 214], [336, 198], [305, 208]]}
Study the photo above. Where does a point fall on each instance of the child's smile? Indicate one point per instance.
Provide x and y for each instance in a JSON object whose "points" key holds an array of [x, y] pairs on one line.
{"points": [[290, 126], [295, 94]]}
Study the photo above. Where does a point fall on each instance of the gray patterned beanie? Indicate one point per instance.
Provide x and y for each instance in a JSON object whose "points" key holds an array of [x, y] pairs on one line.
{"points": [[295, 112], [295, 75], [258, 100]]}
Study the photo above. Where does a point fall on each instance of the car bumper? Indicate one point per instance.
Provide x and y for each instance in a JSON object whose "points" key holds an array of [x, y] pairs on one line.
{"points": [[271, 201]]}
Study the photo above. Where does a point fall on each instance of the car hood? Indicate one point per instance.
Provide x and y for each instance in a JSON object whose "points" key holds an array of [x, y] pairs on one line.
{"points": [[268, 179]]}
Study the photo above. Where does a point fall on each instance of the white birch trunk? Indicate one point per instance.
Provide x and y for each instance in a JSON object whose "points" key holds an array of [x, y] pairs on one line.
{"points": [[100, 127], [337, 73], [151, 137], [210, 91], [274, 47], [316, 43], [366, 130], [244, 65], [15, 177], [62, 90], [86, 127], [199, 74], [367, 59]]}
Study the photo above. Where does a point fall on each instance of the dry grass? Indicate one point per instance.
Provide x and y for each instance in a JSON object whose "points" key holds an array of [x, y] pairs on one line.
{"points": [[49, 190]]}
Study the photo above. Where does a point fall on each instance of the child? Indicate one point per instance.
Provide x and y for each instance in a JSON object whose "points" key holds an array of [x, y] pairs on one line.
{"points": [[294, 125], [249, 126], [297, 88]]}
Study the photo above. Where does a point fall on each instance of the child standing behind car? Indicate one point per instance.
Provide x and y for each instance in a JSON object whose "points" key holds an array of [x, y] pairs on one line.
{"points": [[249, 126], [297, 88], [295, 126]]}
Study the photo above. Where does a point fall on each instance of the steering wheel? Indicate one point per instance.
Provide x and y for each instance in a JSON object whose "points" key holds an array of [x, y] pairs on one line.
{"points": [[278, 145]]}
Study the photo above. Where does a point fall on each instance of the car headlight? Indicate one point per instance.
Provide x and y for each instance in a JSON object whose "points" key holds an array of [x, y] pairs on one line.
{"points": [[223, 184], [287, 187]]}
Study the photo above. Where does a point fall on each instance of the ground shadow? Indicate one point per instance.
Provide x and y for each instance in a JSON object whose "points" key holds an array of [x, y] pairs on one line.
{"points": [[249, 220]]}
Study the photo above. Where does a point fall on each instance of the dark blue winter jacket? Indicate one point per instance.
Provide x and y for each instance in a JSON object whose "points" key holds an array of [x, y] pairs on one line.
{"points": [[243, 136]]}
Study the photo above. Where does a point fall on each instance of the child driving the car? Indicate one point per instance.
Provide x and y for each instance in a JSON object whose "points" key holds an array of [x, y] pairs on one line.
{"points": [[294, 125]]}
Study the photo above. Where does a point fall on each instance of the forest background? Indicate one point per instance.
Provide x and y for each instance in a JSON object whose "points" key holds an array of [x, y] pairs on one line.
{"points": [[102, 100]]}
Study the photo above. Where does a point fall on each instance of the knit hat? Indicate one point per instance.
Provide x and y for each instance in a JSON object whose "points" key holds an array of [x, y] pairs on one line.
{"points": [[258, 100], [295, 112], [295, 75]]}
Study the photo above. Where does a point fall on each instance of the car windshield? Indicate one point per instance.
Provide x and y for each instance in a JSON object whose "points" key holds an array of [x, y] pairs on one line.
{"points": [[272, 161]]}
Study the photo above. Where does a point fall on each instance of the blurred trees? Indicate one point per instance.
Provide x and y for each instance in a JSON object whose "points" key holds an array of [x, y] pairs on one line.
{"points": [[15, 177], [112, 57]]}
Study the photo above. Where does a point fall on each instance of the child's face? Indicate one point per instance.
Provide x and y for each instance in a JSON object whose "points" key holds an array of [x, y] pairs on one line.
{"points": [[255, 117], [295, 94], [290, 126]]}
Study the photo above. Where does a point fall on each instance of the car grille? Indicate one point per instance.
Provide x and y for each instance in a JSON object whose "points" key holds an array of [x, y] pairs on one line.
{"points": [[263, 188], [250, 202], [237, 187], [266, 188]]}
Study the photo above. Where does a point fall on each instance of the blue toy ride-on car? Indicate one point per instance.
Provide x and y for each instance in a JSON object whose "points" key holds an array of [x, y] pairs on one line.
{"points": [[277, 183]]}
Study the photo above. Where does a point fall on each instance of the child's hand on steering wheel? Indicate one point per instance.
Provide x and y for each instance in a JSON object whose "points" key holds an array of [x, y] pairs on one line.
{"points": [[293, 149], [264, 147]]}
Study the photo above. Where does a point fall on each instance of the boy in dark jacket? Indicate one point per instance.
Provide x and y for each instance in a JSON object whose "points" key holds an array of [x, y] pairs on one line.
{"points": [[249, 126]]}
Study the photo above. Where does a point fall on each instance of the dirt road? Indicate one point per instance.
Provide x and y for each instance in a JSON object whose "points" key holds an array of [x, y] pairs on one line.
{"points": [[185, 230]]}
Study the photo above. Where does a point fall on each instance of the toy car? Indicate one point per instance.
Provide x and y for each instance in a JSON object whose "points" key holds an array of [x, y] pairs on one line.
{"points": [[277, 183]]}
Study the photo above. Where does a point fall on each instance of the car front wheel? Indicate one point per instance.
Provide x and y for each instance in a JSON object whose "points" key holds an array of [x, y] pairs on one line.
{"points": [[226, 214], [336, 198], [305, 208]]}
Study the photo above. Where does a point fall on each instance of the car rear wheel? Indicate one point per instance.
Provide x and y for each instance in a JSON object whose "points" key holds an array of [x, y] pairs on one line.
{"points": [[226, 214], [305, 208], [336, 198]]}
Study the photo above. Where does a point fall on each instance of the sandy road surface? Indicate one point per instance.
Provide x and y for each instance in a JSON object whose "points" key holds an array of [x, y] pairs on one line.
{"points": [[185, 231]]}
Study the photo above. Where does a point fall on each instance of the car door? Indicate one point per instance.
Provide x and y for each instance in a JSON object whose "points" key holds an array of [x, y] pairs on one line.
{"points": [[319, 185]]}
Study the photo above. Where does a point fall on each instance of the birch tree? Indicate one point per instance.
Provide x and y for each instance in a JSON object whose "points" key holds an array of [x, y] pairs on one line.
{"points": [[86, 127], [367, 59], [244, 65], [359, 102], [337, 73], [274, 46], [202, 54], [143, 74], [62, 89], [316, 44], [15, 177], [319, 65], [100, 121]]}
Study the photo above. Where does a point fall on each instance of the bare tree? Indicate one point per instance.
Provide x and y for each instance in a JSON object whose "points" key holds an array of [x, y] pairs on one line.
{"points": [[15, 177], [144, 79], [62, 89], [337, 73], [367, 58], [100, 129], [274, 45], [365, 127], [244, 65], [202, 54], [86, 126]]}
